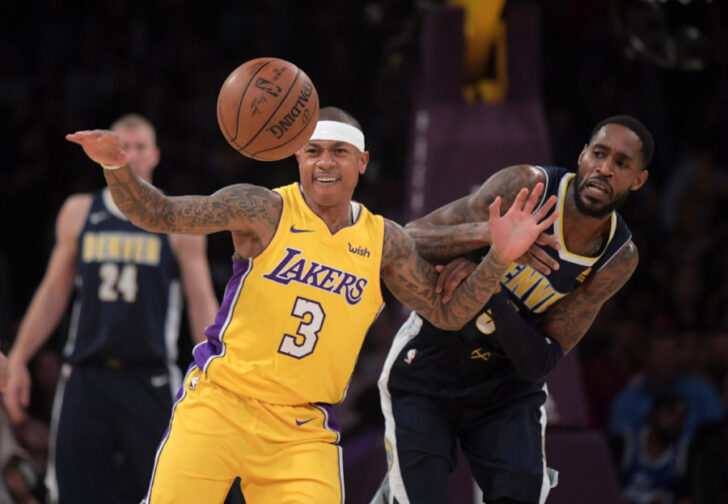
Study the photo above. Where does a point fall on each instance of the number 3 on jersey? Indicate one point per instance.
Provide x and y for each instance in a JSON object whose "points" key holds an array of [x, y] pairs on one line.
{"points": [[307, 332]]}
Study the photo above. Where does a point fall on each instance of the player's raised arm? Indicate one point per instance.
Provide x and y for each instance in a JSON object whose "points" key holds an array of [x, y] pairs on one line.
{"points": [[463, 225], [412, 280], [241, 207]]}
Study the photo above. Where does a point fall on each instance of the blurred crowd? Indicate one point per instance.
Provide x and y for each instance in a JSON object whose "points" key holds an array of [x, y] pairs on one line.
{"points": [[655, 363]]}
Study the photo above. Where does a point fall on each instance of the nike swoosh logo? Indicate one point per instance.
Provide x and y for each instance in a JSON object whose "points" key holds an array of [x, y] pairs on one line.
{"points": [[301, 422], [97, 217], [294, 230]]}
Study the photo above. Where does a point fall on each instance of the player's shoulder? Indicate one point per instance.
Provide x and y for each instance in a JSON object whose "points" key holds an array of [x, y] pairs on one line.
{"points": [[623, 262], [507, 182], [78, 200], [396, 242], [527, 175], [73, 214], [76, 207]]}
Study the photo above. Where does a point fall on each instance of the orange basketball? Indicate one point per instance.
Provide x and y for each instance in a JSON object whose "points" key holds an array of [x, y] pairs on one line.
{"points": [[267, 109]]}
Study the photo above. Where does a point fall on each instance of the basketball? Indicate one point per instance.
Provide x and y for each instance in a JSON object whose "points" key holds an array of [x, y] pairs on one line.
{"points": [[267, 109]]}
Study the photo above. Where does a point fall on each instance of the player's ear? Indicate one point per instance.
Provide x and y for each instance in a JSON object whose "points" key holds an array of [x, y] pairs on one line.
{"points": [[583, 153], [639, 180], [363, 162]]}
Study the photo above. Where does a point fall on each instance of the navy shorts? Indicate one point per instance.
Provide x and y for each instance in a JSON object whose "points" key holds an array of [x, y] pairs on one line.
{"points": [[105, 430], [436, 395]]}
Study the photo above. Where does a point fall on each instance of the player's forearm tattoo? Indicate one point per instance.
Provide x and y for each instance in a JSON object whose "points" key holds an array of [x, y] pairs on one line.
{"points": [[458, 227], [412, 280], [569, 319], [145, 206]]}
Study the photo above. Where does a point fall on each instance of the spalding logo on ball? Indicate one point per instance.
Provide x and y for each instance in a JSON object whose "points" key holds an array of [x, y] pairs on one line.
{"points": [[267, 109]]}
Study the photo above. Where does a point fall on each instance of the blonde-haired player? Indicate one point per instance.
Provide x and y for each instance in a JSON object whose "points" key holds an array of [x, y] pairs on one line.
{"points": [[305, 289]]}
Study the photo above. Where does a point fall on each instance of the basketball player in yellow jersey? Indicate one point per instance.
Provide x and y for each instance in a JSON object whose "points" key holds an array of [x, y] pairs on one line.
{"points": [[305, 289]]}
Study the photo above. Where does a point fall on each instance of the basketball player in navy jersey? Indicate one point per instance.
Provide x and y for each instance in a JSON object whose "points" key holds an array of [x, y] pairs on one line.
{"points": [[115, 393], [485, 384]]}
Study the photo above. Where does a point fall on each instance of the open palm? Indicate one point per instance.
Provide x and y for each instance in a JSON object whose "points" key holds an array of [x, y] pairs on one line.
{"points": [[101, 146], [513, 233]]}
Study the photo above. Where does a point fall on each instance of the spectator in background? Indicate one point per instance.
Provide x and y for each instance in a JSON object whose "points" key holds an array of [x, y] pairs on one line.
{"points": [[652, 458], [631, 407], [608, 371], [708, 461]]}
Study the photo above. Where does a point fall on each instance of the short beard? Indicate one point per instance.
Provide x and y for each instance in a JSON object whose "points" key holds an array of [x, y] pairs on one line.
{"points": [[599, 212]]}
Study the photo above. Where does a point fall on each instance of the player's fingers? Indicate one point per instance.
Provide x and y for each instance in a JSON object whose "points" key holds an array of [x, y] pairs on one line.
{"points": [[456, 277], [444, 272], [520, 200], [548, 240], [538, 265], [545, 208], [548, 221], [12, 406], [494, 209], [542, 257], [533, 198], [25, 397], [440, 278], [78, 137]]}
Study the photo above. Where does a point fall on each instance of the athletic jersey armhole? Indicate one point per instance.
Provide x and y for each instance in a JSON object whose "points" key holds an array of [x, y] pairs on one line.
{"points": [[378, 260], [608, 259], [276, 234]]}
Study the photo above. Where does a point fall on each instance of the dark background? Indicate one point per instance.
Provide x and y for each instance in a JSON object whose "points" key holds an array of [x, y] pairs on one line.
{"points": [[66, 66]]}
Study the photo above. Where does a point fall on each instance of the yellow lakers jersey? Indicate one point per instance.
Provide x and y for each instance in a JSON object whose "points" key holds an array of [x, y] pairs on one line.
{"points": [[293, 319]]}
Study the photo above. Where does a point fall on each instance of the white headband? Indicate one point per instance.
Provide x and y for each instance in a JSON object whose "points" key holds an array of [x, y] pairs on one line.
{"points": [[335, 130]]}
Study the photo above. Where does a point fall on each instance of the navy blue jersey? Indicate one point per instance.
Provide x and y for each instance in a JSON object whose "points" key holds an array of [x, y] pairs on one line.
{"points": [[128, 295], [471, 362]]}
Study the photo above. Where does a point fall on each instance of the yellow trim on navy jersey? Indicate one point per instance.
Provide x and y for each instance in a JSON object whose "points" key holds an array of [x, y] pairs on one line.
{"points": [[564, 253]]}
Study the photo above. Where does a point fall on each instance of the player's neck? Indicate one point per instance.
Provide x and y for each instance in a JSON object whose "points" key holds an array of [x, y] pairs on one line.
{"points": [[335, 216], [583, 232]]}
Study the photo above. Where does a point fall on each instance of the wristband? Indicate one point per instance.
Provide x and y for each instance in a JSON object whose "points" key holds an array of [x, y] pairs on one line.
{"points": [[111, 167]]}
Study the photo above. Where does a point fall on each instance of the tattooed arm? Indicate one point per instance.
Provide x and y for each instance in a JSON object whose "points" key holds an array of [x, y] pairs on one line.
{"points": [[569, 319], [412, 280], [242, 208], [462, 226]]}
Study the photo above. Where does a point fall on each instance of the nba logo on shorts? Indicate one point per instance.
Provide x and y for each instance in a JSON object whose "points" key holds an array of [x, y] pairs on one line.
{"points": [[193, 382], [411, 354]]}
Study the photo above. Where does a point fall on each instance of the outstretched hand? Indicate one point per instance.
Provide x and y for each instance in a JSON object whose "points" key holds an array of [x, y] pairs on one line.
{"points": [[513, 233], [101, 146]]}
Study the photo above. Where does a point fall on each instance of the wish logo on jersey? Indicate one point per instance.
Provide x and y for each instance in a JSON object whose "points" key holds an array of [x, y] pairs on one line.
{"points": [[293, 268]]}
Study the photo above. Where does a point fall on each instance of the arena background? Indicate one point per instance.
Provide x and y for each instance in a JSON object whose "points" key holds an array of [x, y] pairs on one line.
{"points": [[403, 68]]}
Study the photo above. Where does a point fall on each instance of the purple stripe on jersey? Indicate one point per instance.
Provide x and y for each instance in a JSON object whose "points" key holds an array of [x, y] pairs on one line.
{"points": [[331, 422], [214, 346]]}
